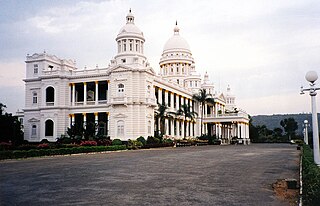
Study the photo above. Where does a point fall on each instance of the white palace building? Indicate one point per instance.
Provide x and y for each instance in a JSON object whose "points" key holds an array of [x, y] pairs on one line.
{"points": [[122, 98]]}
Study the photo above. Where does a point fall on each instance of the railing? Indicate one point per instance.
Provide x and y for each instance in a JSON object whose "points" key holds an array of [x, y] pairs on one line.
{"points": [[50, 103]]}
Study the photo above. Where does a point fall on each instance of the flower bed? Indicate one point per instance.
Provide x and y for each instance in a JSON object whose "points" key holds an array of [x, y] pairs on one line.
{"points": [[14, 154]]}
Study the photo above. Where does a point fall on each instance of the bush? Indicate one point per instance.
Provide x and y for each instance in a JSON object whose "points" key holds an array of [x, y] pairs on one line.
{"points": [[43, 146], [310, 177], [5, 146], [27, 147], [61, 151], [142, 140], [88, 143], [116, 142], [152, 140], [134, 144]]}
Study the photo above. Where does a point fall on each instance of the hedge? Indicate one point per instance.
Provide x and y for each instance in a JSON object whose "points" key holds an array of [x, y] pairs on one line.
{"points": [[310, 178], [62, 151]]}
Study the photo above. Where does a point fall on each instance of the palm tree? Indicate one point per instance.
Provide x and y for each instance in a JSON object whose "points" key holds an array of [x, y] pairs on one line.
{"points": [[162, 114], [185, 110], [203, 97]]}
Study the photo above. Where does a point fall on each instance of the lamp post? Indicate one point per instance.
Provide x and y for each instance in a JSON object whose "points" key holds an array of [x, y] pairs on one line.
{"points": [[306, 131], [311, 77]]}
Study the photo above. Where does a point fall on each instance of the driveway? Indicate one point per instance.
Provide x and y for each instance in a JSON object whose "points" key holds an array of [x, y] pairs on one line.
{"points": [[206, 175]]}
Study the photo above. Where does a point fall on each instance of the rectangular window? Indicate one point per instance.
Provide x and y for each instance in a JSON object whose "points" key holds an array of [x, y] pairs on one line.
{"points": [[35, 68], [35, 98]]}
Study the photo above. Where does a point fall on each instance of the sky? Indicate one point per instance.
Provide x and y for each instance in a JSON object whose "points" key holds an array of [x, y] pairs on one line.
{"points": [[261, 48]]}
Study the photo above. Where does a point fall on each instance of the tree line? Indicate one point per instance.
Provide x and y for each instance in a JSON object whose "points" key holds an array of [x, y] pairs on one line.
{"points": [[284, 133]]}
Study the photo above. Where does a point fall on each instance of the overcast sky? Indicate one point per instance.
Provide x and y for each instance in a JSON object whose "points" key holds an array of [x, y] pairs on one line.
{"points": [[262, 49]]}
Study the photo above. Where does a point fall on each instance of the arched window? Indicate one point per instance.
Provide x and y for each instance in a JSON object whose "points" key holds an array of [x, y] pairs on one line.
{"points": [[50, 95], [49, 128], [34, 98], [120, 89], [34, 130], [120, 128]]}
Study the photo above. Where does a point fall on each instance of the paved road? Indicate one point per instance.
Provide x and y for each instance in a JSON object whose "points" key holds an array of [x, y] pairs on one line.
{"points": [[207, 175]]}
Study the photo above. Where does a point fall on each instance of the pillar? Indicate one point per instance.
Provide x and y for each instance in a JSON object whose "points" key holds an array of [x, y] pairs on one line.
{"points": [[84, 93], [97, 93], [73, 94], [166, 126], [72, 119], [172, 127], [187, 129], [160, 96], [177, 101], [182, 129], [96, 122], [84, 120], [191, 129], [166, 97], [178, 128], [171, 100]]}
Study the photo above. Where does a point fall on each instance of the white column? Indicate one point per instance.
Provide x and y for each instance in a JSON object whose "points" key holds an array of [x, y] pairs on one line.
{"points": [[166, 97], [160, 96], [205, 110], [178, 128], [84, 93], [172, 127], [97, 92], [177, 101], [72, 119], [171, 100], [96, 121], [187, 129], [191, 129], [166, 123], [73, 94], [182, 129], [84, 120]]}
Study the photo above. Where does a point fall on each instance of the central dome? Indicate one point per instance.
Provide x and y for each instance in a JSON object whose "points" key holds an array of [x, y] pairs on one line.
{"points": [[176, 42]]}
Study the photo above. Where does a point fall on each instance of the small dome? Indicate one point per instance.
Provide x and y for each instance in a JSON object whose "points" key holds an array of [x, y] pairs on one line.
{"points": [[130, 29], [176, 42]]}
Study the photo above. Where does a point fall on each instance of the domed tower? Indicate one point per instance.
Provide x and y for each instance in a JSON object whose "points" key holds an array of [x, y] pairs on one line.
{"points": [[207, 85], [230, 100], [130, 41], [176, 62]]}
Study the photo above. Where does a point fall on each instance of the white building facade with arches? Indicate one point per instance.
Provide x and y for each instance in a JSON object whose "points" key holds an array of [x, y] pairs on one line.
{"points": [[122, 99]]}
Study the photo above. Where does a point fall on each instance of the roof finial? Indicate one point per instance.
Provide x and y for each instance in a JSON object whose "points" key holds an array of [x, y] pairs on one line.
{"points": [[130, 10], [176, 29]]}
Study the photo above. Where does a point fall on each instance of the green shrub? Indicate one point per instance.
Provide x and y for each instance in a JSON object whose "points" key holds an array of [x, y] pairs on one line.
{"points": [[152, 140], [116, 142], [142, 140], [310, 177], [61, 151]]}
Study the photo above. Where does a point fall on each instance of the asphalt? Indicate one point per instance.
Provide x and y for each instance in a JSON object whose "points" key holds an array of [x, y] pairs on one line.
{"points": [[206, 175]]}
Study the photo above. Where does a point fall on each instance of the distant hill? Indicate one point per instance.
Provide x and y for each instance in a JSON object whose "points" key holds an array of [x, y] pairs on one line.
{"points": [[273, 121]]}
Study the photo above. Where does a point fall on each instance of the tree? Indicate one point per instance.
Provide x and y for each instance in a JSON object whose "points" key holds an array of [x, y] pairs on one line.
{"points": [[10, 127], [203, 97], [290, 126], [185, 110], [277, 132], [162, 114]]}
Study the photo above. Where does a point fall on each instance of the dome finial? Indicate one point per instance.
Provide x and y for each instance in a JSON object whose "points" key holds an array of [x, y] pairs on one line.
{"points": [[176, 29], [130, 17]]}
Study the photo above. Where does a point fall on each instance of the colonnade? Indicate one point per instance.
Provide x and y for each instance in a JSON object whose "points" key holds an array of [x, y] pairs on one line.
{"points": [[94, 98]]}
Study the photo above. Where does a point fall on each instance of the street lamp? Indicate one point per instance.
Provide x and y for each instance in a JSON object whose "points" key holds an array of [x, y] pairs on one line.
{"points": [[311, 77], [305, 130]]}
